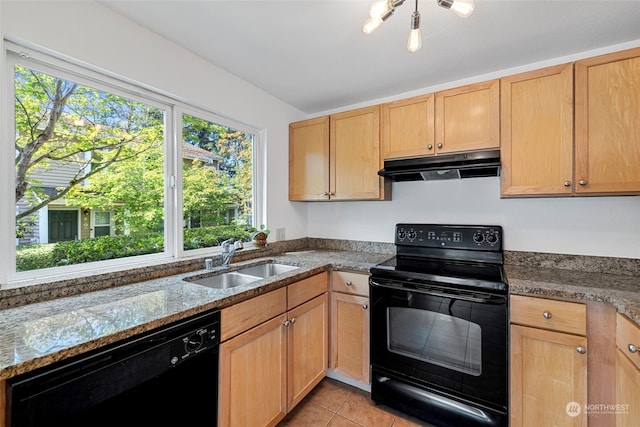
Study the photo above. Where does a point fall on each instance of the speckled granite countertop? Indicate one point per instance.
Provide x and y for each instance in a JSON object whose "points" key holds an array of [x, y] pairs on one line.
{"points": [[38, 334], [35, 335]]}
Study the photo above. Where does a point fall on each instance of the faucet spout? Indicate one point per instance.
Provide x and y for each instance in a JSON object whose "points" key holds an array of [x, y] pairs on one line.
{"points": [[228, 251]]}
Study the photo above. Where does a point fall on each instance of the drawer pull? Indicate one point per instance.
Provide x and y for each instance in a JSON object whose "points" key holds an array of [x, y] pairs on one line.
{"points": [[546, 315], [632, 348], [365, 306], [581, 350], [348, 283]]}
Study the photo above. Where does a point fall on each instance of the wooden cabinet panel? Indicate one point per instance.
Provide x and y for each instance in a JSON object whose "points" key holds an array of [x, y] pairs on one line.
{"points": [[628, 334], [468, 117], [354, 141], [537, 132], [307, 348], [408, 127], [309, 159], [253, 376], [245, 315], [607, 127], [547, 374], [351, 283], [306, 289], [350, 336], [545, 313], [627, 391]]}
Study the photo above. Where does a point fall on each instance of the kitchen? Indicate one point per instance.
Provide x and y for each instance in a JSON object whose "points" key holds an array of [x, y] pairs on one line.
{"points": [[599, 226]]}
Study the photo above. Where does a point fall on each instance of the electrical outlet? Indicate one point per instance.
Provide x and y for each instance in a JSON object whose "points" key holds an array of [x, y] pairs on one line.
{"points": [[280, 234]]}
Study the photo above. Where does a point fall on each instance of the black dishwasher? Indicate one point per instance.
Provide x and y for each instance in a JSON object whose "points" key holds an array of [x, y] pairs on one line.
{"points": [[163, 378]]}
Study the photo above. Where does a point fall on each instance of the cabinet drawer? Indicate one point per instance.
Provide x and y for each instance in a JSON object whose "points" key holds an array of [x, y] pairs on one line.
{"points": [[550, 314], [247, 314], [351, 283], [627, 333], [306, 289]]}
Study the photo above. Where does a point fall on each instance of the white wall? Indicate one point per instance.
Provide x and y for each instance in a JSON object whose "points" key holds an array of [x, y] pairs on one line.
{"points": [[608, 226]]}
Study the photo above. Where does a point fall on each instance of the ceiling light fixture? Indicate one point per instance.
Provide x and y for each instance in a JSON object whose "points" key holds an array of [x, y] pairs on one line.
{"points": [[381, 10]]}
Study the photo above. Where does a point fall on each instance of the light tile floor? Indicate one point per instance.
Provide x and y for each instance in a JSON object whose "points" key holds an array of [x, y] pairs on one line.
{"points": [[335, 404]]}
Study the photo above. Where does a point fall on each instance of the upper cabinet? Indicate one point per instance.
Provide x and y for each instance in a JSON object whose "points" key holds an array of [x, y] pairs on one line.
{"points": [[408, 127], [537, 132], [540, 153], [468, 117], [336, 157], [607, 123]]}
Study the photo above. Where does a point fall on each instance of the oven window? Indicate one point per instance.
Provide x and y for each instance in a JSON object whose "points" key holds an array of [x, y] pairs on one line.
{"points": [[435, 338]]}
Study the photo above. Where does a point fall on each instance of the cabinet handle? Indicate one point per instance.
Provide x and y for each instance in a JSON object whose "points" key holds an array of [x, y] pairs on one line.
{"points": [[581, 350], [582, 182], [430, 146], [567, 184], [348, 283], [286, 323], [293, 320], [439, 145], [546, 315], [632, 348], [365, 306]]}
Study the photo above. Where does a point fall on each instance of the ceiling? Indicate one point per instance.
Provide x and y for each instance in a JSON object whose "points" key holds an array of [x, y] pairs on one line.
{"points": [[313, 55]]}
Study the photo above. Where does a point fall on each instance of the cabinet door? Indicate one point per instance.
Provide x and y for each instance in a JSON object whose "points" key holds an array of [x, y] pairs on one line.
{"points": [[468, 117], [355, 155], [607, 125], [408, 127], [537, 132], [253, 376], [308, 348], [350, 336], [548, 374], [309, 159], [627, 391]]}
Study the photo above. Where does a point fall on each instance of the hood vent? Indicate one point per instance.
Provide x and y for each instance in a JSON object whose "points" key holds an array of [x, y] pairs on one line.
{"points": [[473, 164]]}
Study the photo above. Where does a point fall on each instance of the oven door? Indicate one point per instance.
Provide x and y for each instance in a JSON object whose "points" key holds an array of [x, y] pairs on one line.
{"points": [[450, 342]]}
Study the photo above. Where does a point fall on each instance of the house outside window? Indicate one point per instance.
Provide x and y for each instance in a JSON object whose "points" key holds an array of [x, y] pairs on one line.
{"points": [[94, 161]]}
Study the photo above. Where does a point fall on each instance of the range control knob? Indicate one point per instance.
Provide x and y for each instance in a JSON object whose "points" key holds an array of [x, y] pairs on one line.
{"points": [[478, 237], [402, 234], [492, 238], [412, 234]]}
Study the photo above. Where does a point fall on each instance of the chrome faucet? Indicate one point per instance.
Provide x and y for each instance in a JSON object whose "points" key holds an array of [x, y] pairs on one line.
{"points": [[228, 251]]}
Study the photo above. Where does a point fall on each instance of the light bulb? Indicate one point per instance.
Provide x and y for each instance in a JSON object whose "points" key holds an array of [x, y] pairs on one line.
{"points": [[414, 43], [463, 8], [371, 24], [378, 8]]}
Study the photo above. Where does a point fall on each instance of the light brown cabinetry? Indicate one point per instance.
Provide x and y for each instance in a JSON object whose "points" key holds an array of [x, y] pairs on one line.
{"points": [[468, 117], [548, 362], [408, 127], [543, 155], [537, 132], [607, 128], [627, 373], [268, 366], [336, 157], [350, 325]]}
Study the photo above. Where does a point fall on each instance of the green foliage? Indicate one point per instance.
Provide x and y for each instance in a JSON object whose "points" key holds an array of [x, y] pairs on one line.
{"points": [[33, 257]]}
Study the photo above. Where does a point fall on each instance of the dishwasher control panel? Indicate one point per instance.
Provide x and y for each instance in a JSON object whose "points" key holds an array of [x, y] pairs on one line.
{"points": [[195, 341]]}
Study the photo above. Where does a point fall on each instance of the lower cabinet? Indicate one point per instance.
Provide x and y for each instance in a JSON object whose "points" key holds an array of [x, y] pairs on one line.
{"points": [[350, 326], [627, 373], [548, 363], [271, 366]]}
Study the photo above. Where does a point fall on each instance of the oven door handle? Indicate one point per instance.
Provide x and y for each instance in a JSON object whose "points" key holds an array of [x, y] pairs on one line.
{"points": [[490, 300]]}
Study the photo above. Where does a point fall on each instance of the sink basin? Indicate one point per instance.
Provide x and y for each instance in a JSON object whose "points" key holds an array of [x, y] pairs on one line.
{"points": [[226, 280], [267, 270], [243, 276]]}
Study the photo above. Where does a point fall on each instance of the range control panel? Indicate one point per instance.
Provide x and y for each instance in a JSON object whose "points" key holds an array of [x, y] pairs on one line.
{"points": [[484, 237]]}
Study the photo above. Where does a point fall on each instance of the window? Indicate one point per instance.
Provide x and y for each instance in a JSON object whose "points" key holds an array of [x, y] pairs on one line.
{"points": [[94, 180]]}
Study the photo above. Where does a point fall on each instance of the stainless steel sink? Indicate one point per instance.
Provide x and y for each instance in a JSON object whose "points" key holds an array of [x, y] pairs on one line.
{"points": [[244, 276], [267, 270]]}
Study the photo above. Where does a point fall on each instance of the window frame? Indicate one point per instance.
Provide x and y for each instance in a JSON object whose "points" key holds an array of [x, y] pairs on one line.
{"points": [[173, 107]]}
